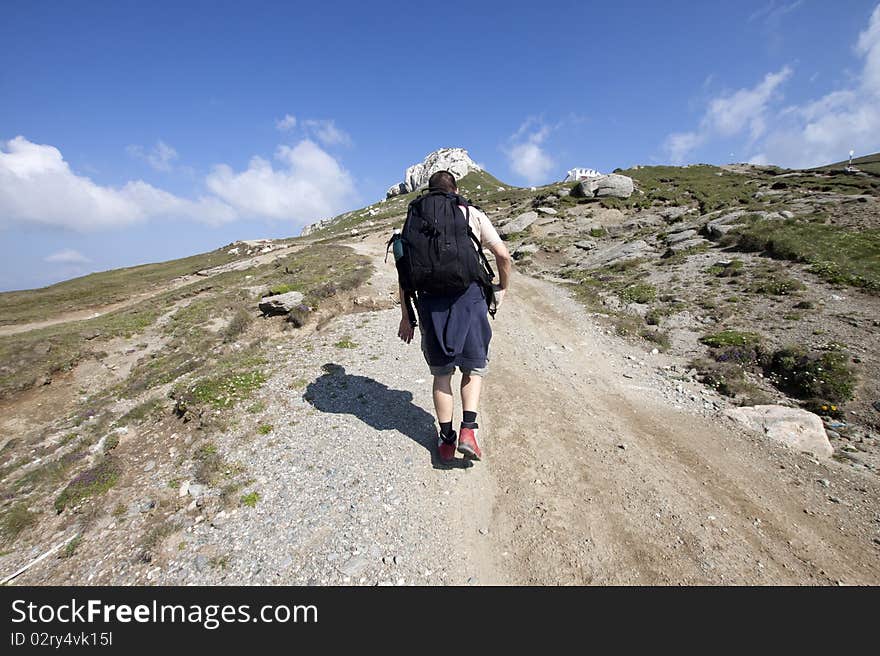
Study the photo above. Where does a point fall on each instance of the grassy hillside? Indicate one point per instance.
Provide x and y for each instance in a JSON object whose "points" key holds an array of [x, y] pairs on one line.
{"points": [[103, 288], [868, 163]]}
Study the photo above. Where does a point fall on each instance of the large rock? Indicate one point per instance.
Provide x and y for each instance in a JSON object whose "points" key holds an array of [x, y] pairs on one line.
{"points": [[520, 223], [455, 160], [613, 185], [617, 253], [793, 427], [525, 251], [280, 303], [677, 237]]}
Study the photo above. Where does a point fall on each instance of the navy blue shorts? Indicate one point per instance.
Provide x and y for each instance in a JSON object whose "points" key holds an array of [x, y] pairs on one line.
{"points": [[455, 332]]}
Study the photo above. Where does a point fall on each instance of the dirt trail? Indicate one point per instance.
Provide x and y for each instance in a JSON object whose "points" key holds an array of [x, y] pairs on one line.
{"points": [[176, 283], [593, 476]]}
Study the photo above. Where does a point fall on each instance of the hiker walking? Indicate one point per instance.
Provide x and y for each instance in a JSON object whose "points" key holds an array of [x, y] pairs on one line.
{"points": [[442, 270]]}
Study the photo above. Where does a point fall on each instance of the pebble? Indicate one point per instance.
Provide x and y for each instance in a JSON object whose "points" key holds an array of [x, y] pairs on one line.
{"points": [[150, 466]]}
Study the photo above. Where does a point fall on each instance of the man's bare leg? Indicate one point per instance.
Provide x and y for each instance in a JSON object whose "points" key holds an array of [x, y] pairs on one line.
{"points": [[470, 392], [470, 401], [443, 400]]}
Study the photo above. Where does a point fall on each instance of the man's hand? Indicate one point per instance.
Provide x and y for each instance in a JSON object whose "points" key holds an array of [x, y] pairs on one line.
{"points": [[406, 330], [499, 297]]}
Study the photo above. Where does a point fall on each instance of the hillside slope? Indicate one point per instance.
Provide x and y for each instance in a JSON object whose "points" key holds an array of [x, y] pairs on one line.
{"points": [[183, 438]]}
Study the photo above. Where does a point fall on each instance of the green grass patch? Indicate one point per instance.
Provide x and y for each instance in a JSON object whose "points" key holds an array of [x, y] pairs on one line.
{"points": [[638, 293], [731, 338], [345, 343], [264, 429], [250, 500], [837, 255]]}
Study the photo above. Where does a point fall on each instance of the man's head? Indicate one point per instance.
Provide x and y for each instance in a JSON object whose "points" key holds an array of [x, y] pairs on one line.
{"points": [[443, 181]]}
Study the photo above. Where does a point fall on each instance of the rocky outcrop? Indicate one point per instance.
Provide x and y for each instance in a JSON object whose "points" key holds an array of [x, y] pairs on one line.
{"points": [[520, 223], [280, 303], [314, 227], [617, 253], [793, 427], [396, 190], [613, 186], [455, 160]]}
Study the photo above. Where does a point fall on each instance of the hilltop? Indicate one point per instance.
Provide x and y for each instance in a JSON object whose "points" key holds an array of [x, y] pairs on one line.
{"points": [[161, 430]]}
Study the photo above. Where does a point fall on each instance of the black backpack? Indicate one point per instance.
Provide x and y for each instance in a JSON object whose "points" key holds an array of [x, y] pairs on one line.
{"points": [[435, 253]]}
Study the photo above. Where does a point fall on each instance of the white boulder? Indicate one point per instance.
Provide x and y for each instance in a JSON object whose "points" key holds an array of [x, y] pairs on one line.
{"points": [[612, 185], [280, 303], [793, 427]]}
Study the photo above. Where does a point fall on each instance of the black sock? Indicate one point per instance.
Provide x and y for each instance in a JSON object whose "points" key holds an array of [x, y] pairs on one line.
{"points": [[468, 417], [446, 430]]}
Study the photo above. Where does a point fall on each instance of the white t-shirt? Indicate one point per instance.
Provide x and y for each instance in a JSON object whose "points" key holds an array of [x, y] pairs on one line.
{"points": [[481, 226]]}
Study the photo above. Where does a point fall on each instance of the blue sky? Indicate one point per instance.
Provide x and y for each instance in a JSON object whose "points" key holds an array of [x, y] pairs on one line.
{"points": [[141, 131]]}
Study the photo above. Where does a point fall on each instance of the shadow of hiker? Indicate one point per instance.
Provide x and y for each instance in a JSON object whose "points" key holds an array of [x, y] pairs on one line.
{"points": [[377, 405]]}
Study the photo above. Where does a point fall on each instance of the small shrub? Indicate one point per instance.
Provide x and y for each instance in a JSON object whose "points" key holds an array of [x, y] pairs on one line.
{"points": [[256, 407], [237, 325], [732, 268], [638, 293], [345, 343], [298, 316], [16, 519], [653, 317], [731, 338], [264, 429], [111, 443], [250, 500], [776, 285], [92, 482], [658, 337], [70, 548], [813, 375], [209, 464]]}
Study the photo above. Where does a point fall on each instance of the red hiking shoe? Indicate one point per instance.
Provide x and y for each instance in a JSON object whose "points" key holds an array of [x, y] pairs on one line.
{"points": [[446, 450], [467, 442]]}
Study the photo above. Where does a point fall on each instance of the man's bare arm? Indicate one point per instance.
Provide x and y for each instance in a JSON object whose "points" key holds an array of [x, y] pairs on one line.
{"points": [[503, 260]]}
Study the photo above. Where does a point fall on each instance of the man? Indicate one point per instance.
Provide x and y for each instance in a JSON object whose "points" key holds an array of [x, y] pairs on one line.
{"points": [[456, 333]]}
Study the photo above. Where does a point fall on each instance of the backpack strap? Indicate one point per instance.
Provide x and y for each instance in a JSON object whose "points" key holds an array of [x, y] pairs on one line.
{"points": [[488, 289], [467, 218]]}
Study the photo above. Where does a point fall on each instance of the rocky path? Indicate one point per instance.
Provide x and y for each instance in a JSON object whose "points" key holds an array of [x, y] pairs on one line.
{"points": [[601, 467]]}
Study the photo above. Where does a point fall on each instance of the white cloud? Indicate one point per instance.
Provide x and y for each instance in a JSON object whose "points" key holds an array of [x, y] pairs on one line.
{"points": [[814, 132], [325, 131], [526, 155], [287, 123], [823, 130], [772, 12], [38, 186], [67, 256], [729, 115], [309, 184], [159, 157]]}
